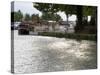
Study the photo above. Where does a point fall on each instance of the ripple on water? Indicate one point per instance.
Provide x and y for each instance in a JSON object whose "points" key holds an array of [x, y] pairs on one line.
{"points": [[44, 54]]}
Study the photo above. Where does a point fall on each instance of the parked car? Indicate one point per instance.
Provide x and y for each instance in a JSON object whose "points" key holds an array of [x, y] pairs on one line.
{"points": [[14, 25]]}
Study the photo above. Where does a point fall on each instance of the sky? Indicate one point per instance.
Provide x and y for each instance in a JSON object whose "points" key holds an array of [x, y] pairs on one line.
{"points": [[27, 7]]}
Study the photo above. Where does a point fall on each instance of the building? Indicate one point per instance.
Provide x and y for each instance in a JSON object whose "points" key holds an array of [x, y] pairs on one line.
{"points": [[37, 25]]}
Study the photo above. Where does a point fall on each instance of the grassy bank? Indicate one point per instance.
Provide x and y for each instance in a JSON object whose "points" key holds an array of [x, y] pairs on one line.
{"points": [[70, 35]]}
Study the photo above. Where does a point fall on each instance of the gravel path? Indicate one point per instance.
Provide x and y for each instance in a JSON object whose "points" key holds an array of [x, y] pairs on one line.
{"points": [[46, 54]]}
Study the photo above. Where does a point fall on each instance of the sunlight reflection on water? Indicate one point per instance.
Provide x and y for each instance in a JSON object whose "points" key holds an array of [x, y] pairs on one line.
{"points": [[45, 54]]}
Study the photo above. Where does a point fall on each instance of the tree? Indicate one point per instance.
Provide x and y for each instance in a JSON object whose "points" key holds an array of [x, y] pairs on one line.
{"points": [[27, 17], [46, 7], [50, 16], [82, 12], [93, 21], [54, 8], [68, 9], [34, 16], [82, 17], [50, 10], [16, 16], [79, 13]]}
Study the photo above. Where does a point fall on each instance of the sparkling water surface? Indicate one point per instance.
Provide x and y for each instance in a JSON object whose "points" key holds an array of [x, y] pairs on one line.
{"points": [[46, 54]]}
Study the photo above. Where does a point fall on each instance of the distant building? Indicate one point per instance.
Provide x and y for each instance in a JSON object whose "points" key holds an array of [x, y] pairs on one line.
{"points": [[66, 27], [37, 25]]}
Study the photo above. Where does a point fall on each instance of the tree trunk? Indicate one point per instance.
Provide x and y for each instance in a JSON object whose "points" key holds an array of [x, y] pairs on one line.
{"points": [[79, 14], [67, 16]]}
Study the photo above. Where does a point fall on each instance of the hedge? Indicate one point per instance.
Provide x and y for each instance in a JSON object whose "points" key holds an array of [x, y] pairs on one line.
{"points": [[70, 35]]}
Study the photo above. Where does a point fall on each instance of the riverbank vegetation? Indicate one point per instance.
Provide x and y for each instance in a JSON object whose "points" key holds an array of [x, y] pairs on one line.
{"points": [[84, 29], [77, 36]]}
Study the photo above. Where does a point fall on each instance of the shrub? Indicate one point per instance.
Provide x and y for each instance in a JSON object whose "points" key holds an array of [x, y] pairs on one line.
{"points": [[70, 35]]}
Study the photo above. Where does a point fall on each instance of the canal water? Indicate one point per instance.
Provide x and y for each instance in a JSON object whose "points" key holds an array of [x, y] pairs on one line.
{"points": [[48, 54]]}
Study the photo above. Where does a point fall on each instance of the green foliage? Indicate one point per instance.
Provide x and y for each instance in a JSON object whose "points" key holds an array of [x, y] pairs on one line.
{"points": [[49, 11], [82, 22], [46, 7], [89, 10], [16, 16], [79, 10], [35, 17], [54, 8], [27, 17], [50, 16], [70, 36], [68, 9]]}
